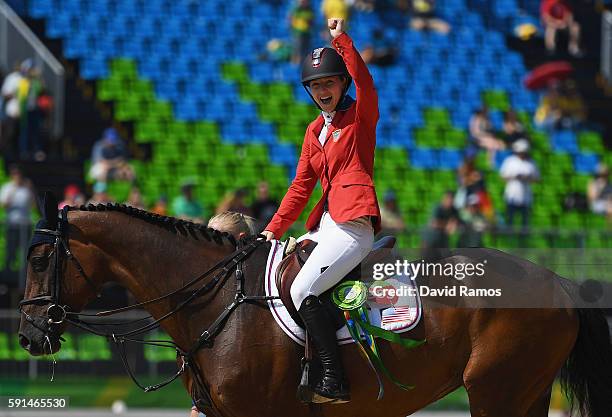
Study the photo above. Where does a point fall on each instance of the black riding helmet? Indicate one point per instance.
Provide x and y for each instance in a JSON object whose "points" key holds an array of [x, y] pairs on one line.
{"points": [[324, 62]]}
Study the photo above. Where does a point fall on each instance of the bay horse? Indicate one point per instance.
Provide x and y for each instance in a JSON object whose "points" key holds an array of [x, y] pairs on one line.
{"points": [[507, 359]]}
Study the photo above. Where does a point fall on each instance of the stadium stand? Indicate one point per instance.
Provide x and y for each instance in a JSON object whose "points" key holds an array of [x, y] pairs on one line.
{"points": [[209, 107]]}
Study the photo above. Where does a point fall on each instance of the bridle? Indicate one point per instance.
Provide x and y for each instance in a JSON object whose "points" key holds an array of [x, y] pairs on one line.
{"points": [[57, 313]]}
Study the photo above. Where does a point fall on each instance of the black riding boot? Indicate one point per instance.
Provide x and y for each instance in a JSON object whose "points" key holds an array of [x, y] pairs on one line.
{"points": [[333, 386]]}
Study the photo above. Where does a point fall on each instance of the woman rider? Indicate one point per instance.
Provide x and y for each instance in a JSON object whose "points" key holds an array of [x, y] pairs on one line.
{"points": [[338, 149]]}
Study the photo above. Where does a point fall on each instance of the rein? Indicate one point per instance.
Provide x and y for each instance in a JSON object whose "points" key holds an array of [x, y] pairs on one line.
{"points": [[57, 313]]}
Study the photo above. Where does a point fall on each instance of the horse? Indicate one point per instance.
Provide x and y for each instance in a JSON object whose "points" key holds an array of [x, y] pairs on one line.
{"points": [[506, 358]]}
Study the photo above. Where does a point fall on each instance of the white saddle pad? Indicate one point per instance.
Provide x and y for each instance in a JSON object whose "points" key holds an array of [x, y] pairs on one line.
{"points": [[401, 316]]}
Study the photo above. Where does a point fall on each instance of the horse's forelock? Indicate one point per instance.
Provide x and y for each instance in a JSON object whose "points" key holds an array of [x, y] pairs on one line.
{"points": [[48, 208]]}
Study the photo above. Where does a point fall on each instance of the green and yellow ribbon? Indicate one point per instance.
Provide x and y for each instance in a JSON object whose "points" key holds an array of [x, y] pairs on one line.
{"points": [[351, 296]]}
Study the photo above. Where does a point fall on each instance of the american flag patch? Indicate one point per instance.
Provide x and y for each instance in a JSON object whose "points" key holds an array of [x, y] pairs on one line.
{"points": [[395, 318]]}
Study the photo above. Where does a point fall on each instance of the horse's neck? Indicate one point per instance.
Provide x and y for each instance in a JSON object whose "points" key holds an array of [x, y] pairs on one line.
{"points": [[150, 262], [254, 273]]}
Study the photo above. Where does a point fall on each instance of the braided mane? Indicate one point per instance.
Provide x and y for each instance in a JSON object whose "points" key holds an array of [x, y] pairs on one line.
{"points": [[179, 227]]}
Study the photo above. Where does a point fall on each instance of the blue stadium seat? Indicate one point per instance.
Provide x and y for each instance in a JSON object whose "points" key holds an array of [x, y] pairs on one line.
{"points": [[283, 153], [500, 157], [565, 141], [585, 163], [423, 158], [449, 159], [94, 67]]}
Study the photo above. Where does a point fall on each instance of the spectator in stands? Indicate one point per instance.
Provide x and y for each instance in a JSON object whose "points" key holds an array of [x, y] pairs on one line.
{"points": [[135, 198], [473, 223], [483, 135], [548, 113], [443, 223], [161, 206], [599, 192], [301, 19], [424, 17], [264, 207], [390, 216], [471, 183], [277, 50], [380, 52], [557, 15], [109, 158], [30, 140], [573, 108], [100, 195], [185, 206], [512, 128], [333, 9], [234, 201], [561, 107], [72, 197], [519, 171], [45, 104], [12, 108], [17, 198]]}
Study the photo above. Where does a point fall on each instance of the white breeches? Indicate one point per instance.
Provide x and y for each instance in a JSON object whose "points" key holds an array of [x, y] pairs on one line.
{"points": [[340, 248]]}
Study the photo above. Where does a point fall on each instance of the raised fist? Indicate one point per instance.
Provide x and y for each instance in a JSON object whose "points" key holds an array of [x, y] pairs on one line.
{"points": [[336, 27]]}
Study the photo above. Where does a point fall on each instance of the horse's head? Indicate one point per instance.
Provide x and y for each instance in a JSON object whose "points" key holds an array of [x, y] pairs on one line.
{"points": [[47, 296]]}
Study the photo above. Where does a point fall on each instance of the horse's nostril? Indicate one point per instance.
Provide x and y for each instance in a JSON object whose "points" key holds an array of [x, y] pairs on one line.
{"points": [[24, 342]]}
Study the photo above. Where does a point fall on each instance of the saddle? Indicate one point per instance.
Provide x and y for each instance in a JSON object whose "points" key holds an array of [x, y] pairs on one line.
{"points": [[291, 264]]}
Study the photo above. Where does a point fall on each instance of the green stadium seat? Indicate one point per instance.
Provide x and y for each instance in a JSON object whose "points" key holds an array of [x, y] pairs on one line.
{"points": [[161, 110], [157, 354], [128, 109], [68, 350], [540, 141], [525, 120], [281, 91], [124, 67], [496, 100], [5, 347], [579, 182], [455, 138], [437, 118], [590, 142], [595, 222], [235, 71], [92, 348], [144, 89], [109, 89], [149, 130]]}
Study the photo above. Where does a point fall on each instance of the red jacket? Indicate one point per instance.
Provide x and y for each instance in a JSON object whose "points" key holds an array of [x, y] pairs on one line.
{"points": [[346, 161]]}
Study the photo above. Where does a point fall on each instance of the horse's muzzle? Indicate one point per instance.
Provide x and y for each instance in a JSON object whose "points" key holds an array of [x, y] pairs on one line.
{"points": [[38, 343]]}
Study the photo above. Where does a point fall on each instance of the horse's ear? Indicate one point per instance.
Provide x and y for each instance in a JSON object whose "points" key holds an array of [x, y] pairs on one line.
{"points": [[48, 208]]}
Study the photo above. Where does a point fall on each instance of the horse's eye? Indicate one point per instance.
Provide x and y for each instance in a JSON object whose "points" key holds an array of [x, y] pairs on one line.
{"points": [[39, 263]]}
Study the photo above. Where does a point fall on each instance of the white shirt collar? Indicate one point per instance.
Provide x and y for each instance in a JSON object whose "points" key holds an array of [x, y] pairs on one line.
{"points": [[328, 117]]}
